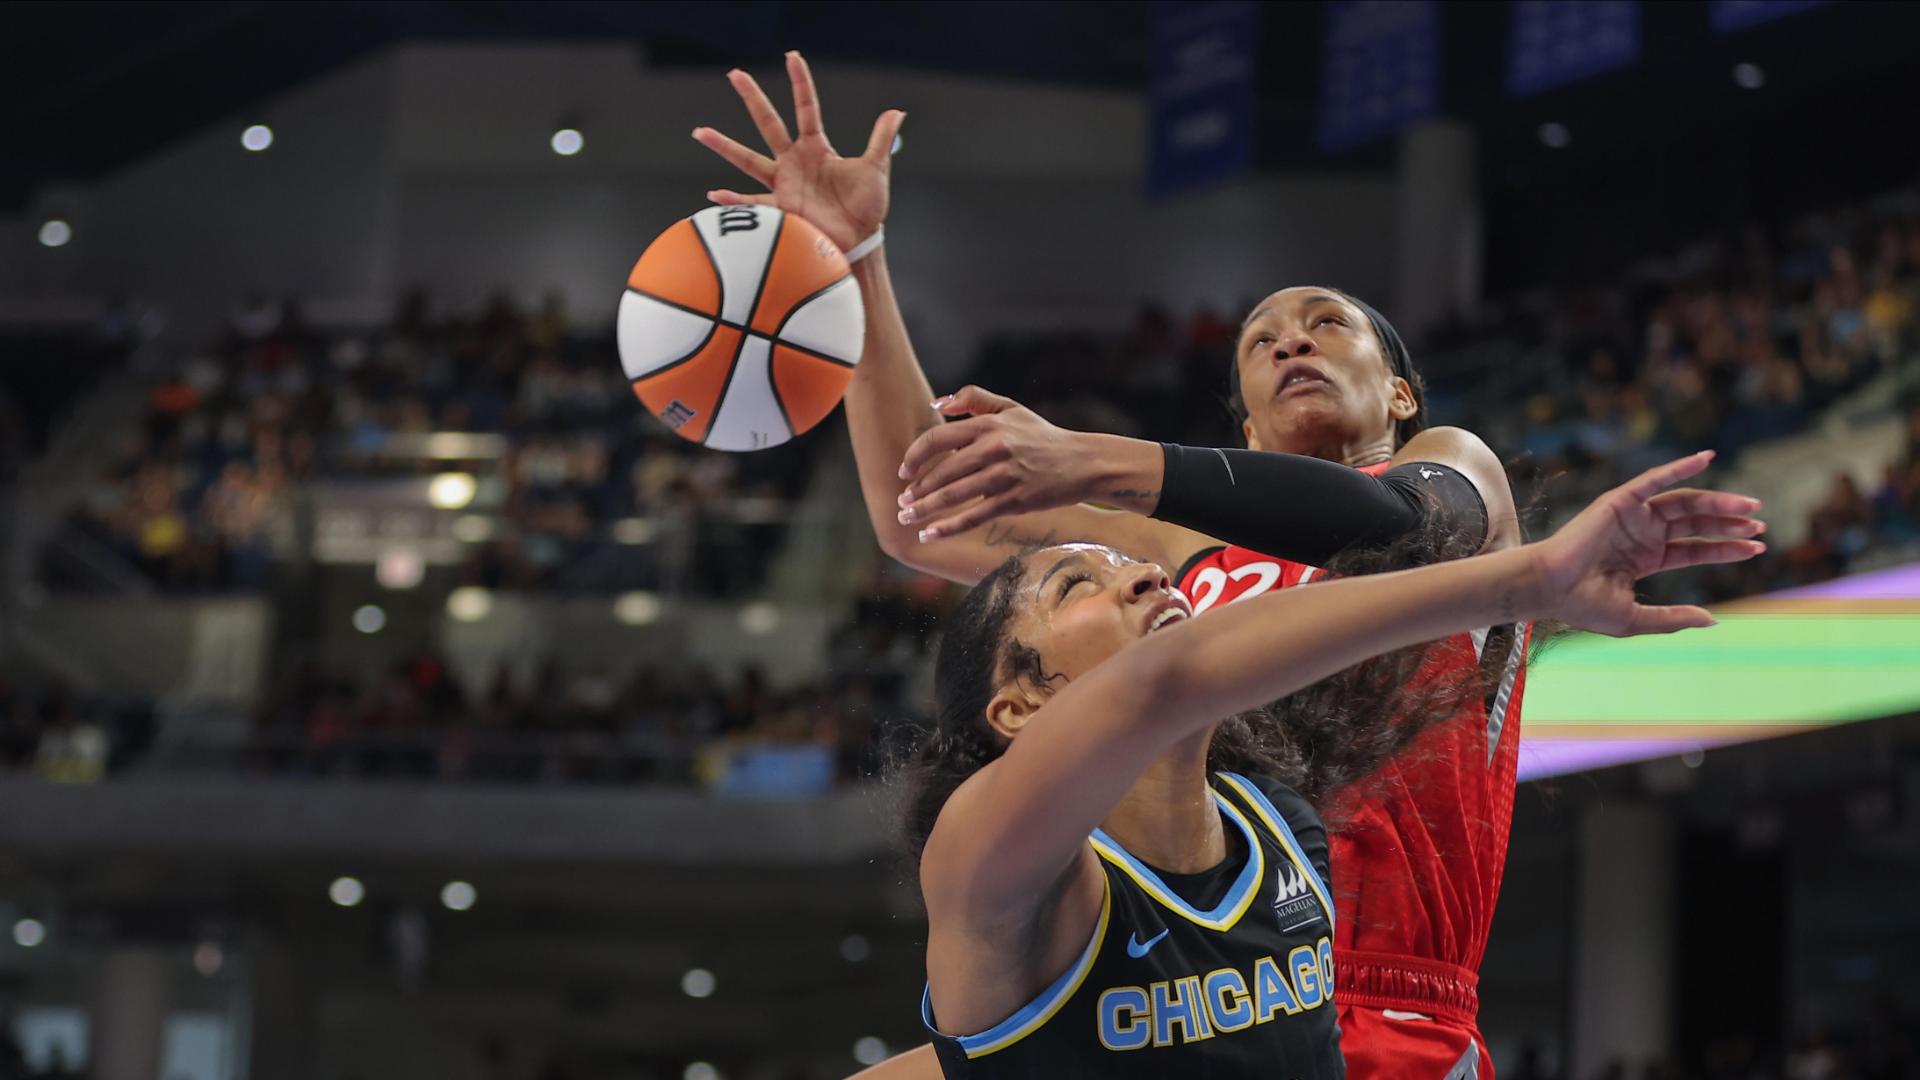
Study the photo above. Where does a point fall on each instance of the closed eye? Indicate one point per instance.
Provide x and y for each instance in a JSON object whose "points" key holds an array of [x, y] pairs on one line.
{"points": [[1069, 581]]}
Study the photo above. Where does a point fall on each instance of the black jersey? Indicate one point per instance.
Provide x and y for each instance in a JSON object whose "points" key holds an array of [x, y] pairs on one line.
{"points": [[1164, 989]]}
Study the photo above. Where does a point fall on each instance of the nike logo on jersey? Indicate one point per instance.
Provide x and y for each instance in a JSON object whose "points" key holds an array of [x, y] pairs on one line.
{"points": [[1428, 474], [1137, 949]]}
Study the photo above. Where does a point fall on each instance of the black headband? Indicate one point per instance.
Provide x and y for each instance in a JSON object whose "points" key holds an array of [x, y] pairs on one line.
{"points": [[1400, 361]]}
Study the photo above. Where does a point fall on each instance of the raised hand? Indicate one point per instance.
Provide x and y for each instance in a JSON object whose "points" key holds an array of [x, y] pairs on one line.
{"points": [[845, 198], [1005, 460], [1637, 529]]}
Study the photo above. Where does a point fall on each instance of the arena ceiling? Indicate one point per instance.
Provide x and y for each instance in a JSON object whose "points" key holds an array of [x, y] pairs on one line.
{"points": [[87, 87]]}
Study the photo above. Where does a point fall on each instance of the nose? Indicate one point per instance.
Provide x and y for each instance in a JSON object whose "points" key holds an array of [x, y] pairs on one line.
{"points": [[1144, 580], [1294, 343]]}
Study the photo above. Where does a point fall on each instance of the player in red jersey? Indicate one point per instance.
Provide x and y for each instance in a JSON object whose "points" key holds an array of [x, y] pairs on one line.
{"points": [[1338, 457]]}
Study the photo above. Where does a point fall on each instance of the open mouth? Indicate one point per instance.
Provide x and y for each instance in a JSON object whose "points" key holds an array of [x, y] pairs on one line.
{"points": [[1301, 376], [1167, 617]]}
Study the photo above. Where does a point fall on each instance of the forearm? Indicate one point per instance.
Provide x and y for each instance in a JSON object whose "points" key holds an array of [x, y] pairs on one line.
{"points": [[888, 406], [1306, 509], [887, 403], [1245, 655]]}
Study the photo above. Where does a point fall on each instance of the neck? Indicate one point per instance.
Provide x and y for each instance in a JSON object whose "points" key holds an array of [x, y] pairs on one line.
{"points": [[1354, 453], [1168, 818]]}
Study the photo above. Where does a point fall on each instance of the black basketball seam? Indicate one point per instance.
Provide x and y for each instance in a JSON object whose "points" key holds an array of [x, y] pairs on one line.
{"points": [[795, 310], [781, 402], [677, 306], [713, 264], [712, 328], [733, 369], [779, 230], [804, 351]]}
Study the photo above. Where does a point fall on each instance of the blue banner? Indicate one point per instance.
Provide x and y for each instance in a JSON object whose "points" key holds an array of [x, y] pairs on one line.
{"points": [[1730, 15], [1382, 68], [1200, 93], [1554, 42]]}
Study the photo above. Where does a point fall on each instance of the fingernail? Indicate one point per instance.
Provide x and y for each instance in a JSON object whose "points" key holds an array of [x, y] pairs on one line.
{"points": [[735, 71], [904, 474], [906, 517], [793, 54], [942, 402], [906, 497], [929, 534]]}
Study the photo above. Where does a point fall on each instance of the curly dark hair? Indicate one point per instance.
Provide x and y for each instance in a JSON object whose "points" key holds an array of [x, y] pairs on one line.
{"points": [[1321, 740]]}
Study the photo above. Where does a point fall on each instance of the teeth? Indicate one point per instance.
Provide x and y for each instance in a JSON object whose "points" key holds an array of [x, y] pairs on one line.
{"points": [[1167, 616]]}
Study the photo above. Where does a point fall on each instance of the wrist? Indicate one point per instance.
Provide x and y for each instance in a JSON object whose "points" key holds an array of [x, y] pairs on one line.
{"points": [[867, 245], [1126, 473], [1530, 592], [871, 268]]}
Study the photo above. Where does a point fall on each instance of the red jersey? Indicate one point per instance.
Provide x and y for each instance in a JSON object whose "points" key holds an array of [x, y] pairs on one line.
{"points": [[1420, 848]]}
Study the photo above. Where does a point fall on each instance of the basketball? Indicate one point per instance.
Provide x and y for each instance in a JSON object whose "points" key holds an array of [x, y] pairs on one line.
{"points": [[740, 327]]}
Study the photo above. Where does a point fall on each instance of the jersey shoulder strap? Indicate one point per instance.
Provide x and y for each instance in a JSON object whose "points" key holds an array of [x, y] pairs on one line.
{"points": [[1293, 826]]}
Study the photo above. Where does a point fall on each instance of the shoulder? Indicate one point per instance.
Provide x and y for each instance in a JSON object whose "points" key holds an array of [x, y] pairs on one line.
{"points": [[1459, 448], [1469, 453], [1276, 798]]}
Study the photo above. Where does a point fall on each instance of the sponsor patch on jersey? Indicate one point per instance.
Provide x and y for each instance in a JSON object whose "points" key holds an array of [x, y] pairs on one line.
{"points": [[1294, 903]]}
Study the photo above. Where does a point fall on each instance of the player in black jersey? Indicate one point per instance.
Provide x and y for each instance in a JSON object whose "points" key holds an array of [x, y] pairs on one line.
{"points": [[1106, 894]]}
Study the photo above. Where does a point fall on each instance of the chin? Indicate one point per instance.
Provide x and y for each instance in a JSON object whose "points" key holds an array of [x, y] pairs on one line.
{"points": [[1304, 424]]}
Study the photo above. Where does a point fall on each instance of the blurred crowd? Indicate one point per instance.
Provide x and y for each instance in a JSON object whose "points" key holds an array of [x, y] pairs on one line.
{"points": [[655, 724], [52, 732], [209, 493]]}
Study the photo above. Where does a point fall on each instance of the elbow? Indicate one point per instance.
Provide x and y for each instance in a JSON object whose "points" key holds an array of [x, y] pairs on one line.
{"points": [[892, 544]]}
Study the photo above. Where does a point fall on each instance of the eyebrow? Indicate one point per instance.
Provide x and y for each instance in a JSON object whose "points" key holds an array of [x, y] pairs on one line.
{"points": [[1317, 298], [1042, 587]]}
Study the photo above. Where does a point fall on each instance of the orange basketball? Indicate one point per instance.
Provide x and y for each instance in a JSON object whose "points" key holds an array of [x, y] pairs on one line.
{"points": [[740, 327]]}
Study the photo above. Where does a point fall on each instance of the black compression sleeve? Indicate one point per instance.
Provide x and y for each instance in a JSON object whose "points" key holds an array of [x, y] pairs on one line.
{"points": [[1306, 509]]}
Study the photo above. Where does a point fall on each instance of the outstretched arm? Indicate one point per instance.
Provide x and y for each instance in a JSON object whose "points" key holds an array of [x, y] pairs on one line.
{"points": [[888, 402], [1005, 460], [1015, 827]]}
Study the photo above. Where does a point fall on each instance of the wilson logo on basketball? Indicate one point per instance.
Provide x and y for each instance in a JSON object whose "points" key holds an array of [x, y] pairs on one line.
{"points": [[738, 219], [676, 414]]}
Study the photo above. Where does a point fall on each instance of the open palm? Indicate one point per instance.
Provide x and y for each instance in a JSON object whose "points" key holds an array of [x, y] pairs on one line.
{"points": [[845, 198], [1639, 529]]}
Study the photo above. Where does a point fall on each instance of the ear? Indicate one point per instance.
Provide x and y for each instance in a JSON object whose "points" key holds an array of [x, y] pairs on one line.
{"points": [[1403, 405], [1247, 433], [1010, 710]]}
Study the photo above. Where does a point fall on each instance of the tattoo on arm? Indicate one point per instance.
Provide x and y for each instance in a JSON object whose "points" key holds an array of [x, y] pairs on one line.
{"points": [[999, 535], [1135, 493]]}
